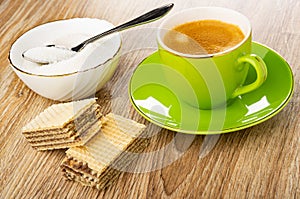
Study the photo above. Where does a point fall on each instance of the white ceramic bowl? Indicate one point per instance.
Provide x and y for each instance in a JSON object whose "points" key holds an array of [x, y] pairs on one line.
{"points": [[83, 76]]}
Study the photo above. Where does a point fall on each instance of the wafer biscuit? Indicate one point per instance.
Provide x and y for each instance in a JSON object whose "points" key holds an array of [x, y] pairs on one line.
{"points": [[99, 161], [64, 125]]}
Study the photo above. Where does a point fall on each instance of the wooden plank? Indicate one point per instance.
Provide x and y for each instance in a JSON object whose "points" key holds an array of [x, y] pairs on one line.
{"points": [[258, 162]]}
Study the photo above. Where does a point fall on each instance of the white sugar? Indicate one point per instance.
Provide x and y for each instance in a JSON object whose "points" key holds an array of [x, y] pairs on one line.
{"points": [[67, 33], [48, 54]]}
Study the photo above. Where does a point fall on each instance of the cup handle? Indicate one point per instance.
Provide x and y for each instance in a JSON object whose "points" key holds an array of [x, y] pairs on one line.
{"points": [[261, 71]]}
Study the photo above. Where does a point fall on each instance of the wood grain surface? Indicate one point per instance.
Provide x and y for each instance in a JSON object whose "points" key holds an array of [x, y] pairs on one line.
{"points": [[259, 162]]}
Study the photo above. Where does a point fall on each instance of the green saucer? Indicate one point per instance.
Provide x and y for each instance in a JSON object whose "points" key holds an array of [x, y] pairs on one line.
{"points": [[152, 97]]}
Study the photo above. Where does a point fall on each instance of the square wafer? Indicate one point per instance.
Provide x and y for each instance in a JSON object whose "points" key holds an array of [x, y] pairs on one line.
{"points": [[64, 125], [98, 163]]}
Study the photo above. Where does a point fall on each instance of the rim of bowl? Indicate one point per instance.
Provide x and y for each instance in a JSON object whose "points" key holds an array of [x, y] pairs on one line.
{"points": [[65, 74]]}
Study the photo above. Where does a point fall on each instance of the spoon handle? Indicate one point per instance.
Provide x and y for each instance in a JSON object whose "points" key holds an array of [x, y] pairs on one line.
{"points": [[145, 18]]}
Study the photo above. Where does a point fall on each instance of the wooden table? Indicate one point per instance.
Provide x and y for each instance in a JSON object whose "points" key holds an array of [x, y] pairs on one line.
{"points": [[259, 162]]}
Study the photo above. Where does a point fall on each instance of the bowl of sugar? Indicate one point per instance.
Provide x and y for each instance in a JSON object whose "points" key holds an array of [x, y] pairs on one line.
{"points": [[75, 77]]}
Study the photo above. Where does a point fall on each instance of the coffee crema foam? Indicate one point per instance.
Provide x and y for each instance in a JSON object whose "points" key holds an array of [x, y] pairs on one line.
{"points": [[203, 37]]}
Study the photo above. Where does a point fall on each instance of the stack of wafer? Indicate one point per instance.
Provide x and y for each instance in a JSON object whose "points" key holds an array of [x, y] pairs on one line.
{"points": [[99, 161], [64, 125]]}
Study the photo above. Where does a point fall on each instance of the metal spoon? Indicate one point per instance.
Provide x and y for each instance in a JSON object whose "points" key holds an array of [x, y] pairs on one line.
{"points": [[66, 53]]}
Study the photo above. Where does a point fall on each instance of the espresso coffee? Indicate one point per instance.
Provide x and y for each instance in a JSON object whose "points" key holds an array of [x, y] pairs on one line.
{"points": [[203, 37]]}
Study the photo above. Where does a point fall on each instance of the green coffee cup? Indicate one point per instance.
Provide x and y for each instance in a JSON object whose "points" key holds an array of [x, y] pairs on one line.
{"points": [[211, 80]]}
